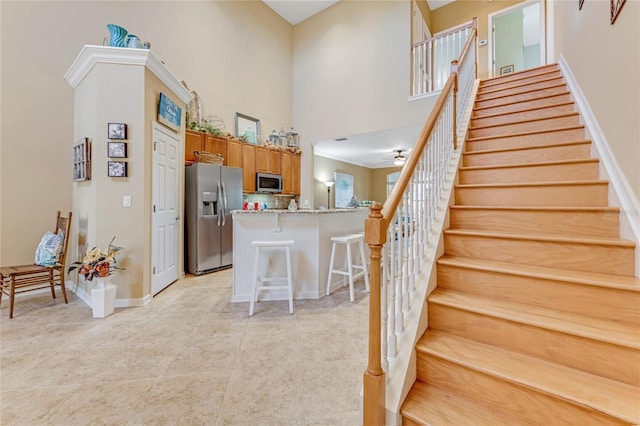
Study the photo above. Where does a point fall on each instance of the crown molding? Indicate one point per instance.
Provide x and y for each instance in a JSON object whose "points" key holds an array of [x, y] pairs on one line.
{"points": [[92, 55]]}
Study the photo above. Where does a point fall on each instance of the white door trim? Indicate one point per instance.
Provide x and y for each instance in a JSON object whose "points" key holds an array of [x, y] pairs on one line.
{"points": [[543, 36]]}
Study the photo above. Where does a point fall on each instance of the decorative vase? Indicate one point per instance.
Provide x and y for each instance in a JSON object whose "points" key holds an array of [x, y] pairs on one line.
{"points": [[103, 297], [117, 35]]}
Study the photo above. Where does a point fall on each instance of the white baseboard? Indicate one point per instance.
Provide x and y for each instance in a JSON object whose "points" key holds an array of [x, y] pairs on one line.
{"points": [[85, 296], [620, 194]]}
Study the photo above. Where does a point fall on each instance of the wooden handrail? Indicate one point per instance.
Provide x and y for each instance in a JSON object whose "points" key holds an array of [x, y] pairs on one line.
{"points": [[395, 196], [376, 227]]}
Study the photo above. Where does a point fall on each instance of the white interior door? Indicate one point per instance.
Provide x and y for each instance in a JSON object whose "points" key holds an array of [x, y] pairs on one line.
{"points": [[517, 39], [165, 212]]}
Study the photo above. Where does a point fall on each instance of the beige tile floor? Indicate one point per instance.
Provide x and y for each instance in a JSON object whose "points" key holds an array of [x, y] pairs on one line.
{"points": [[190, 357]]}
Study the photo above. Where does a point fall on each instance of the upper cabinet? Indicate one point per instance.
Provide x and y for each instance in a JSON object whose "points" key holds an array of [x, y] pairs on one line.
{"points": [[250, 158]]}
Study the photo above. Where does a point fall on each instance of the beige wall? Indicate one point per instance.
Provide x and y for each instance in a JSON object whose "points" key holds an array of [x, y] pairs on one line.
{"points": [[605, 60], [351, 74], [368, 184], [218, 47], [426, 12], [461, 11]]}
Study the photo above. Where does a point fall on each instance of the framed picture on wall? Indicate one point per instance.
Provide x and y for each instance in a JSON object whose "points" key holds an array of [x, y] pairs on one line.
{"points": [[616, 5], [117, 168], [81, 158], [506, 70], [117, 149], [117, 131]]}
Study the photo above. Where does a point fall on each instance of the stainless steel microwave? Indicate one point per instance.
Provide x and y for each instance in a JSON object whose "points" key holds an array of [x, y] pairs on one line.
{"points": [[267, 182]]}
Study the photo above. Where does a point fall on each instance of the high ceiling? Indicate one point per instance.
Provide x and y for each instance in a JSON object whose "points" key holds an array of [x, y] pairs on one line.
{"points": [[372, 150]]}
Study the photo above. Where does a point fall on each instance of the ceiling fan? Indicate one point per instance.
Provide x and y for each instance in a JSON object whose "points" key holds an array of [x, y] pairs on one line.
{"points": [[399, 159]]}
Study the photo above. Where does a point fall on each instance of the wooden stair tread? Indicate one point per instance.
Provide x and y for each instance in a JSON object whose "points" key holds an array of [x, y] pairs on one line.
{"points": [[541, 208], [428, 404], [534, 132], [517, 84], [488, 84], [560, 183], [618, 282], [614, 398], [542, 68], [531, 91], [527, 120], [518, 111], [551, 145], [616, 333], [542, 237], [538, 164], [533, 98]]}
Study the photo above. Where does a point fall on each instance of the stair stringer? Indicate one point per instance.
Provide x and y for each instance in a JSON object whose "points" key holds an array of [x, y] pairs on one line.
{"points": [[404, 364], [620, 192]]}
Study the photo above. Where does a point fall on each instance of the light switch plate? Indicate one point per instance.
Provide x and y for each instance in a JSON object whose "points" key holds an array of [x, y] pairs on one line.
{"points": [[126, 201]]}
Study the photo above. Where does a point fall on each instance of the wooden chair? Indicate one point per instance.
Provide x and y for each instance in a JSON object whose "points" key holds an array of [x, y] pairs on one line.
{"points": [[19, 279]]}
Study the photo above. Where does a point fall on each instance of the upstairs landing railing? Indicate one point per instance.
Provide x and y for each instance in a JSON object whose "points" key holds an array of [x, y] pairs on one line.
{"points": [[399, 232], [430, 58]]}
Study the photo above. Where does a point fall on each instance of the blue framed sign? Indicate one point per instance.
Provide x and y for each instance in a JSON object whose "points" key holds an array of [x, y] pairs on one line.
{"points": [[169, 113]]}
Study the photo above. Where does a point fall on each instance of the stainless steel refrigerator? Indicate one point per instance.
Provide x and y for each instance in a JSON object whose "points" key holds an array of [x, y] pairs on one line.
{"points": [[211, 193]]}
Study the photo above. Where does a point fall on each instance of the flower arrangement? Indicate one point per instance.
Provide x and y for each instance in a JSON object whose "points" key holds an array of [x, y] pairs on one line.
{"points": [[98, 262]]}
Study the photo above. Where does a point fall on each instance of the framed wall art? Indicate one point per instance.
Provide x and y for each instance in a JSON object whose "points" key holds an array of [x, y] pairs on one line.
{"points": [[117, 149], [81, 158], [117, 169], [248, 128], [117, 131], [616, 6], [506, 70], [343, 189], [169, 113]]}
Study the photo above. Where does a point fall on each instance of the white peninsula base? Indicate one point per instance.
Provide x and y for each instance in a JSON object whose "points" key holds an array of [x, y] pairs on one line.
{"points": [[311, 231]]}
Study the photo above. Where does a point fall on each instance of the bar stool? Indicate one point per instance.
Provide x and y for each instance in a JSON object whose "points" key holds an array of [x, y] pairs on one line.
{"points": [[349, 266], [258, 280]]}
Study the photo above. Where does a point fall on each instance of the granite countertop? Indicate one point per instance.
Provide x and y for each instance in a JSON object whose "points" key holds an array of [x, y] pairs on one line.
{"points": [[303, 211]]}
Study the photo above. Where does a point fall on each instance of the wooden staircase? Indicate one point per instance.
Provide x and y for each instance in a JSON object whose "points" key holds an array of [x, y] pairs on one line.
{"points": [[536, 316]]}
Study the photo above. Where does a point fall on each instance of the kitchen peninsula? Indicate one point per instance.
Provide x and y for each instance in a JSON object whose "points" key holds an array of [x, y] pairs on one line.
{"points": [[311, 230]]}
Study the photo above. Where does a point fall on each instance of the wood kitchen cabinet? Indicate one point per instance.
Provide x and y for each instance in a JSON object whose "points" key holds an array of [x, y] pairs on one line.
{"points": [[268, 160], [200, 141], [248, 168], [234, 153], [290, 173]]}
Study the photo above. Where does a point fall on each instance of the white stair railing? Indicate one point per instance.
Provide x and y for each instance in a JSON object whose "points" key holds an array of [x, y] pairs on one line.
{"points": [[431, 58], [399, 232]]}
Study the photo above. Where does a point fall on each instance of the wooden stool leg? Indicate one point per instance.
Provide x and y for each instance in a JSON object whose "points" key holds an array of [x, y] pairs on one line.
{"points": [[254, 285], [363, 261], [289, 280], [12, 295], [333, 255], [350, 269]]}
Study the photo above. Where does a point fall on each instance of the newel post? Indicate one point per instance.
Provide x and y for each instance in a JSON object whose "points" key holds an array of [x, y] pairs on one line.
{"points": [[374, 381], [454, 71]]}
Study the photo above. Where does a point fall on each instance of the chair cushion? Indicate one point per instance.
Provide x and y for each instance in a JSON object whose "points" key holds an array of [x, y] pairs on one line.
{"points": [[49, 249]]}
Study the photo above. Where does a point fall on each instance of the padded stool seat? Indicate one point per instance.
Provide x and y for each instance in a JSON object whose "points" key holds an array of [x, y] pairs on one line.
{"points": [[258, 280], [348, 269]]}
